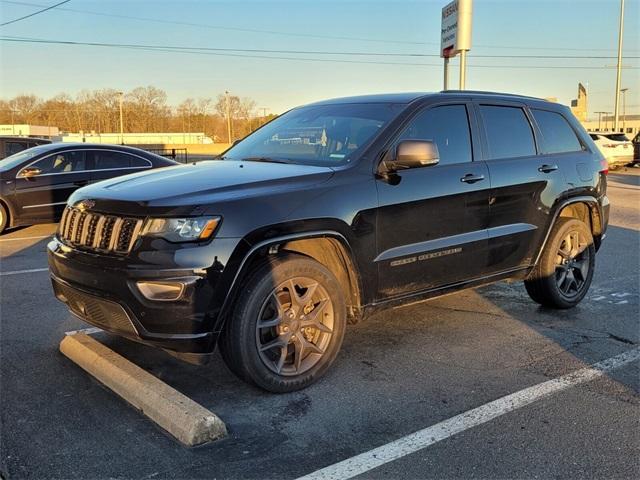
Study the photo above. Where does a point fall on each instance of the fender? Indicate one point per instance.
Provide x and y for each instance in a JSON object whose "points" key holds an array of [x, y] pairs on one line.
{"points": [[592, 203], [272, 242]]}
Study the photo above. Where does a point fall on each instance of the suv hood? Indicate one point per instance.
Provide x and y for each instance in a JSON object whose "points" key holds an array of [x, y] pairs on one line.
{"points": [[203, 183]]}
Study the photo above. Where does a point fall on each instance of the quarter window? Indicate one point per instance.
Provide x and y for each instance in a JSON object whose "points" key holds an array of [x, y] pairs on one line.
{"points": [[448, 127], [558, 135], [63, 162], [509, 132], [106, 159]]}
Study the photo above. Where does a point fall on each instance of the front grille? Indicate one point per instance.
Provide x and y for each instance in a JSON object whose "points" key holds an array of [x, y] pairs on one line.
{"points": [[98, 232], [94, 310]]}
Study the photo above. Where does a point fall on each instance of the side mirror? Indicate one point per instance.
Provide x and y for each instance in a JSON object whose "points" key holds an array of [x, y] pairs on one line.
{"points": [[416, 153], [30, 172]]}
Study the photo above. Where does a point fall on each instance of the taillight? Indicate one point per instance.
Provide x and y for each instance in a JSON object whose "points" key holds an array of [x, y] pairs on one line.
{"points": [[604, 167]]}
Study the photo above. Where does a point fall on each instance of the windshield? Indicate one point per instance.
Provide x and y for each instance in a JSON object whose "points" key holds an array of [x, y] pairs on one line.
{"points": [[322, 135], [617, 137], [20, 157]]}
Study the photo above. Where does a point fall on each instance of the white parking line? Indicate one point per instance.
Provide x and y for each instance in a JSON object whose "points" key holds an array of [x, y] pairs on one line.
{"points": [[18, 272], [414, 442], [24, 238]]}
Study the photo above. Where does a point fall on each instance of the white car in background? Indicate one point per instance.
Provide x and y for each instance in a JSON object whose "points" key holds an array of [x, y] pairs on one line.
{"points": [[616, 148]]}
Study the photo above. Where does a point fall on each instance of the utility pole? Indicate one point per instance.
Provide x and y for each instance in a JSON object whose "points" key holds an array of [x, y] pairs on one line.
{"points": [[228, 115], [619, 67], [623, 91], [121, 95], [264, 111]]}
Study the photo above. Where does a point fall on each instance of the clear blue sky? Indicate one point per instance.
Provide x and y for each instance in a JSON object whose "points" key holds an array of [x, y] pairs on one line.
{"points": [[559, 27]]}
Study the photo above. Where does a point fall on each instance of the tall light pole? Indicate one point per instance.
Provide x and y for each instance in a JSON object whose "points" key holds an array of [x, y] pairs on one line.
{"points": [[623, 91], [121, 95], [619, 67], [226, 93]]}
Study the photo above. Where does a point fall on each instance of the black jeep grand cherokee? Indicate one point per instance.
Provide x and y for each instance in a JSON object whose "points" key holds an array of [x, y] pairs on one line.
{"points": [[328, 213]]}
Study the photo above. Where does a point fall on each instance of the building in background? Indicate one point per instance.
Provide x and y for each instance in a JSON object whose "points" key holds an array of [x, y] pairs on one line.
{"points": [[579, 106], [198, 138], [24, 130], [628, 124]]}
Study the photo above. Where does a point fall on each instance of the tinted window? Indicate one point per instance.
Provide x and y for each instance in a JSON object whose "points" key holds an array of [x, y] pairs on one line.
{"points": [[617, 137], [593, 136], [448, 127], [138, 162], [11, 148], [557, 133], [108, 159], [508, 130], [64, 162]]}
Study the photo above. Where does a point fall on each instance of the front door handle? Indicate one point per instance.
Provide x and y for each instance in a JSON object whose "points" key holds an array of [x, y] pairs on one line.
{"points": [[547, 168], [471, 178]]}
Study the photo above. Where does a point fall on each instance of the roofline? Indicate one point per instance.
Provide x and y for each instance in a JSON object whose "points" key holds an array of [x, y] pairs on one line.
{"points": [[501, 94]]}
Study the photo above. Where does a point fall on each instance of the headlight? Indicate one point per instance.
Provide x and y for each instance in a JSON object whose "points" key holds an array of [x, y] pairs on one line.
{"points": [[181, 229]]}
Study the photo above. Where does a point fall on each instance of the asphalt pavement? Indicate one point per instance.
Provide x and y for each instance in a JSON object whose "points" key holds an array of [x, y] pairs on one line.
{"points": [[400, 371]]}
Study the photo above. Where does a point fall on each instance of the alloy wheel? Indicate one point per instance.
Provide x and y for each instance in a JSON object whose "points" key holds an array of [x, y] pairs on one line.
{"points": [[295, 326], [572, 264]]}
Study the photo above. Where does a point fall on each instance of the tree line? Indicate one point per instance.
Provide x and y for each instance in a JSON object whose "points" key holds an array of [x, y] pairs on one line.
{"points": [[144, 109]]}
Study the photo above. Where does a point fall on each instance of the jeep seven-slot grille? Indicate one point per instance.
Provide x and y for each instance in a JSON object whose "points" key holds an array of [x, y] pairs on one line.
{"points": [[95, 231]]}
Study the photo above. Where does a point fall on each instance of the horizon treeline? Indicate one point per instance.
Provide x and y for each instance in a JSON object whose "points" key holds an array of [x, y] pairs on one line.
{"points": [[144, 110]]}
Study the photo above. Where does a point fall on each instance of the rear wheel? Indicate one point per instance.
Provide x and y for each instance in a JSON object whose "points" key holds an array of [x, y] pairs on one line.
{"points": [[4, 218], [287, 326], [564, 273]]}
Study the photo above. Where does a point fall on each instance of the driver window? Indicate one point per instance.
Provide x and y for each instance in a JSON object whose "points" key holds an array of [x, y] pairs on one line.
{"points": [[448, 127], [63, 162]]}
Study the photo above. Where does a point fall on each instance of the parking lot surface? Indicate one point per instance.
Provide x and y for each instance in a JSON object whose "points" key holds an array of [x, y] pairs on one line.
{"points": [[401, 371]]}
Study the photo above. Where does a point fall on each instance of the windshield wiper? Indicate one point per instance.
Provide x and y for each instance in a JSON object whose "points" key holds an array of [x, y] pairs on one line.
{"points": [[263, 159]]}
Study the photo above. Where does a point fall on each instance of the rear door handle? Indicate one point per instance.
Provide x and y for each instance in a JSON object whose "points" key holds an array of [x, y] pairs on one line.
{"points": [[547, 168], [471, 178]]}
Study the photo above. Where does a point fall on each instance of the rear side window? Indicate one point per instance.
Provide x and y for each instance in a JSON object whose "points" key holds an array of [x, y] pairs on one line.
{"points": [[106, 159], [593, 136], [138, 162], [558, 135], [448, 127], [617, 137], [509, 133]]}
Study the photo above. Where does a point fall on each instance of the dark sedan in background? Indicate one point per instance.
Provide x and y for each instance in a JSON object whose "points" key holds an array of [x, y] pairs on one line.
{"points": [[36, 183]]}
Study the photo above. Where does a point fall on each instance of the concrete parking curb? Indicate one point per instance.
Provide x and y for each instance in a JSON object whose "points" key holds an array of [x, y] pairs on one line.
{"points": [[189, 422]]}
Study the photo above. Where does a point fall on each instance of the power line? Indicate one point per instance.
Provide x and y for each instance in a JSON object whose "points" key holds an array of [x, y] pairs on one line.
{"points": [[34, 13], [293, 34], [228, 51]]}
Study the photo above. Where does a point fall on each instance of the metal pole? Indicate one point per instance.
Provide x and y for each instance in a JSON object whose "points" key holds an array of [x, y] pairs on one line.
{"points": [[463, 68], [619, 68], [121, 120], [624, 107], [446, 73], [228, 116]]}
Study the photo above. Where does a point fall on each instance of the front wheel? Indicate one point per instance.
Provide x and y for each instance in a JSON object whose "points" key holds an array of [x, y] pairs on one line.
{"points": [[287, 326], [565, 270]]}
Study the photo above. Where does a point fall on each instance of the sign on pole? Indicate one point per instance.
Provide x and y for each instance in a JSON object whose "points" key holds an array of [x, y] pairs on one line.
{"points": [[455, 35], [456, 28]]}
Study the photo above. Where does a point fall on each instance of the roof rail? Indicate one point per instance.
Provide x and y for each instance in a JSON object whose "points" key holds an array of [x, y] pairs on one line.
{"points": [[483, 92]]}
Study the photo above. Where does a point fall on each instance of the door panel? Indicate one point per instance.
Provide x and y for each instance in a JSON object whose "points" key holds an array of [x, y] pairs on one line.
{"points": [[44, 196], [432, 221], [524, 186]]}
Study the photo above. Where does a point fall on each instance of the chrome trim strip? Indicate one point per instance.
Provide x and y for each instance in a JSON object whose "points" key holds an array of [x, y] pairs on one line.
{"points": [[510, 229], [45, 205], [430, 245]]}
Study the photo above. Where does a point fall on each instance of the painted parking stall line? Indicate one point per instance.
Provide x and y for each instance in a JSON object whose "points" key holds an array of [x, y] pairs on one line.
{"points": [[421, 439], [20, 272], [18, 239]]}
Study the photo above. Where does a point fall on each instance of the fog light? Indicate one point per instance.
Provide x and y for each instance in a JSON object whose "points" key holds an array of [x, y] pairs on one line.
{"points": [[161, 291]]}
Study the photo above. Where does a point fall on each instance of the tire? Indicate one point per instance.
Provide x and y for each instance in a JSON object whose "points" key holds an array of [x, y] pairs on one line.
{"points": [[565, 270], [277, 342], [4, 218]]}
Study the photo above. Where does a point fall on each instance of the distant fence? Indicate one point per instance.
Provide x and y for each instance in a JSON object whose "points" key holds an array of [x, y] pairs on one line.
{"points": [[178, 154]]}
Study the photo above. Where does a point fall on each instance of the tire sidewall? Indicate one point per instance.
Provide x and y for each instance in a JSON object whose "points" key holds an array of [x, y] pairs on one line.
{"points": [[243, 329], [549, 262], [4, 218]]}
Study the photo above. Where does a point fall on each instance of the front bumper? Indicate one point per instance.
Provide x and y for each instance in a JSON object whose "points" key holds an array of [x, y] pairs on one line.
{"points": [[102, 291]]}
